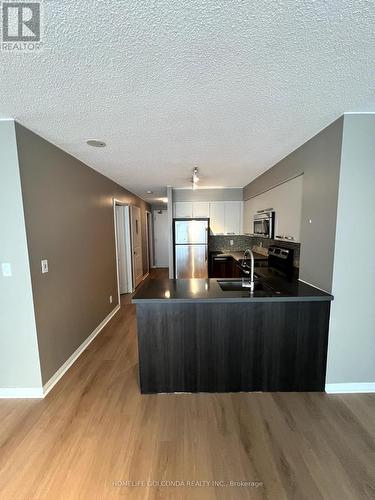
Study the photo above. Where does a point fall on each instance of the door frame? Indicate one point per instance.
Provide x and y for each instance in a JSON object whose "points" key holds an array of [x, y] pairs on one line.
{"points": [[128, 248], [131, 208], [149, 242]]}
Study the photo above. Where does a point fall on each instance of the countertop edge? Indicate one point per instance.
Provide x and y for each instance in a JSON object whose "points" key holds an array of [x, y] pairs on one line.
{"points": [[234, 299]]}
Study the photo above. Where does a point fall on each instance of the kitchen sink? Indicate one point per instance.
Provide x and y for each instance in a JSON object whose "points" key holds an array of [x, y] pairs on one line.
{"points": [[237, 286]]}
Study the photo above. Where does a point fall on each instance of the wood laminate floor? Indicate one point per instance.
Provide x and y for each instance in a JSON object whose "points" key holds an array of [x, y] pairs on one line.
{"points": [[94, 432]]}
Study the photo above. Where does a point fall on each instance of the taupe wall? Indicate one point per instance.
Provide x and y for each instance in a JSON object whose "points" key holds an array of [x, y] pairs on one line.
{"points": [[19, 357], [319, 160], [351, 352], [69, 221]]}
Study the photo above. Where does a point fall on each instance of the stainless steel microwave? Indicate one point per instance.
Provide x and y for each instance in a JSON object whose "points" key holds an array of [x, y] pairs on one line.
{"points": [[264, 224]]}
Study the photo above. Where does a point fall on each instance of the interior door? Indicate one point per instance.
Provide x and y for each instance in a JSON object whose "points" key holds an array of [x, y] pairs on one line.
{"points": [[121, 249], [136, 244], [148, 241], [161, 238]]}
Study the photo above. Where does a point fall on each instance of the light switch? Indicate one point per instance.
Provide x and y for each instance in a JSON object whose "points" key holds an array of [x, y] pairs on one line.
{"points": [[231, 242], [6, 269], [44, 265]]}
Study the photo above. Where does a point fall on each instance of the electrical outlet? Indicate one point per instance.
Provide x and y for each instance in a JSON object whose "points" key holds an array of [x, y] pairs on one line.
{"points": [[6, 269], [231, 242], [110, 299], [44, 266]]}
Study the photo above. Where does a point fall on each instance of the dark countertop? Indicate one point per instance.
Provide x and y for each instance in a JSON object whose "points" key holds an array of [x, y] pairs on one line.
{"points": [[239, 255], [208, 290]]}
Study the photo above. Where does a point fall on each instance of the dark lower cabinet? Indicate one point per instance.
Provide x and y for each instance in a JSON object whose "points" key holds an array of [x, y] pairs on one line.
{"points": [[221, 266], [224, 267], [227, 267], [231, 347]]}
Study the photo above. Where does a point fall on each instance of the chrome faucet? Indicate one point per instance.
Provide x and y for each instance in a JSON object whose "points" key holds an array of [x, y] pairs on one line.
{"points": [[250, 284]]}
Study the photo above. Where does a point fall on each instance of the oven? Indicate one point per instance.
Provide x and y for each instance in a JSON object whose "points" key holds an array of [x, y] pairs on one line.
{"points": [[281, 259], [264, 224]]}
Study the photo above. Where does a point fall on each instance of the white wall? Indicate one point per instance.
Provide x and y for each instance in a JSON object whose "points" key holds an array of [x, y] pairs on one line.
{"points": [[351, 353], [19, 356], [286, 200]]}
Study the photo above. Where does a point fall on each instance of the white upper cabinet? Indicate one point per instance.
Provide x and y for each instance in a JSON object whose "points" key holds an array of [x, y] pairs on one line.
{"points": [[286, 201], [225, 216], [201, 209], [217, 217], [233, 217], [192, 209], [183, 209], [248, 214]]}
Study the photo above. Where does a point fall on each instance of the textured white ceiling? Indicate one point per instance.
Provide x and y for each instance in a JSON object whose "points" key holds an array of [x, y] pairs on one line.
{"points": [[230, 86]]}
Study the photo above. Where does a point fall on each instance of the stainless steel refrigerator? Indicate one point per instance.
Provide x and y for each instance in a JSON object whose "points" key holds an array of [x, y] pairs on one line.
{"points": [[190, 248]]}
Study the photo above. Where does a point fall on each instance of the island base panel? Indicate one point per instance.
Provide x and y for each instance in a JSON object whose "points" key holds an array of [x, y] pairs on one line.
{"points": [[232, 347]]}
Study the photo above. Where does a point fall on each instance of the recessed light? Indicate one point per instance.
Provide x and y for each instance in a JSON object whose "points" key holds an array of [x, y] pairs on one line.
{"points": [[96, 144], [149, 192]]}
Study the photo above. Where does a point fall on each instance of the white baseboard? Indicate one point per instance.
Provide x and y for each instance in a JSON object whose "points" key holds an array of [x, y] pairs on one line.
{"points": [[350, 388], [21, 393], [40, 392], [68, 363]]}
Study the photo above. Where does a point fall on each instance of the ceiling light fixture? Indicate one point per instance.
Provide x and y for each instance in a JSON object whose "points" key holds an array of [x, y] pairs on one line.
{"points": [[195, 178], [149, 192], [96, 144]]}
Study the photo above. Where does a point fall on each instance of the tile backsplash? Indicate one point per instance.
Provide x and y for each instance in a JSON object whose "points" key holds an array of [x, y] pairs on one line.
{"points": [[241, 242], [222, 243]]}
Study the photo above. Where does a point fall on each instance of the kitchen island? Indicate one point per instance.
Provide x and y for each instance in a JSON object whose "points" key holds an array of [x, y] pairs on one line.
{"points": [[208, 335]]}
